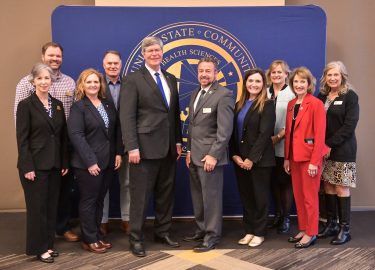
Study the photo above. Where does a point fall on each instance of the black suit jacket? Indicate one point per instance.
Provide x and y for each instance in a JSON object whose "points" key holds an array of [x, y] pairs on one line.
{"points": [[256, 143], [342, 119], [147, 124], [41, 140], [92, 142]]}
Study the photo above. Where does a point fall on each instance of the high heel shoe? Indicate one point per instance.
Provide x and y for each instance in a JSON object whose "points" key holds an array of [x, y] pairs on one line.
{"points": [[246, 240], [45, 260], [293, 239], [307, 244]]}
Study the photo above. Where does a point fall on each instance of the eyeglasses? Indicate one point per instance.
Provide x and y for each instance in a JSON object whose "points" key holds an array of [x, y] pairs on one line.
{"points": [[152, 50]]}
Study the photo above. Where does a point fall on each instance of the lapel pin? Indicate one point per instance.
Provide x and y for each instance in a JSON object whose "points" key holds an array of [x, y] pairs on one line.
{"points": [[58, 108]]}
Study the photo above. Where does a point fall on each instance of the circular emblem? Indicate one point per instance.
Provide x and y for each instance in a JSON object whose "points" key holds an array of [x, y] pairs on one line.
{"points": [[185, 43]]}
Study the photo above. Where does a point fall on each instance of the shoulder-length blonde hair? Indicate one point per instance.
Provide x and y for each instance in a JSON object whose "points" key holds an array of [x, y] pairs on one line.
{"points": [[262, 96], [306, 74], [284, 66], [80, 88], [345, 85]]}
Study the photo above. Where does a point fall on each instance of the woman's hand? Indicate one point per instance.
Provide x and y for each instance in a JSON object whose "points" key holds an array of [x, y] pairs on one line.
{"points": [[238, 160], [94, 170], [30, 175], [118, 161], [328, 154], [187, 159], [287, 166], [64, 171], [247, 164], [312, 170]]}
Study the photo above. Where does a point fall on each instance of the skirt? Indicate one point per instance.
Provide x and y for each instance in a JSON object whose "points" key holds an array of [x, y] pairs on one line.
{"points": [[340, 173]]}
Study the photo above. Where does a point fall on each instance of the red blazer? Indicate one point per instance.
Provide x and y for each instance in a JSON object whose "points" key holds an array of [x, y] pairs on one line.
{"points": [[309, 131]]}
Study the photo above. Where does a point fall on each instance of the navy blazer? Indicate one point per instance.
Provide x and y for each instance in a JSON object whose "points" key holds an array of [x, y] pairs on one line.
{"points": [[342, 119], [256, 143], [42, 141], [92, 142]]}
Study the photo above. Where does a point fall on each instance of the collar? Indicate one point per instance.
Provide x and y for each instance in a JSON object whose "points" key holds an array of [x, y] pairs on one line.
{"points": [[108, 80], [152, 72], [57, 76]]}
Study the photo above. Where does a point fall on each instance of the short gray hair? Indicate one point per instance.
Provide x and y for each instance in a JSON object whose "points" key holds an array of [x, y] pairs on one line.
{"points": [[37, 68], [149, 41]]}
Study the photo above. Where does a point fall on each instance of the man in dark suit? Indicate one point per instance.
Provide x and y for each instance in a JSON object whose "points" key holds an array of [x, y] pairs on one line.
{"points": [[150, 122], [112, 67], [210, 128]]}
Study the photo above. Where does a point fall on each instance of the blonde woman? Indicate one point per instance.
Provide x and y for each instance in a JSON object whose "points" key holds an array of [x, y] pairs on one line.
{"points": [[339, 173], [94, 131]]}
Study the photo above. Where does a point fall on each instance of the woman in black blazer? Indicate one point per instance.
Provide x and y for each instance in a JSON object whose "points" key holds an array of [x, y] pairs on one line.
{"points": [[95, 133], [42, 159], [253, 154], [339, 173]]}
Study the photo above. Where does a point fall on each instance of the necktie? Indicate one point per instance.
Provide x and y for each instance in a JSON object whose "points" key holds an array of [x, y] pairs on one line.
{"points": [[203, 92], [160, 85]]}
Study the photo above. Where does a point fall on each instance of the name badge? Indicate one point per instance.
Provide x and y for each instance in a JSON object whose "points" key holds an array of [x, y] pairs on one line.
{"points": [[337, 102], [206, 110]]}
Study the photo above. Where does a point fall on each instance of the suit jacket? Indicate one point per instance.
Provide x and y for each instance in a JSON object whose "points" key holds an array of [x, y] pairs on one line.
{"points": [[92, 142], [309, 131], [342, 119], [256, 143], [210, 125], [42, 141], [147, 124]]}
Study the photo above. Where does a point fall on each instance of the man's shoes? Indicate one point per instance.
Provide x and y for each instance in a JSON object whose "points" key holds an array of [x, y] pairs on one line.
{"points": [[105, 244], [125, 227], [307, 244], [94, 247], [137, 249], [284, 226], [166, 240], [104, 228], [204, 247], [195, 238], [45, 260], [71, 236]]}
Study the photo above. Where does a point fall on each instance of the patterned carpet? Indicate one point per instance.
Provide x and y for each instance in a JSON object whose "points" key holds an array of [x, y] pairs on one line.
{"points": [[274, 253], [220, 259]]}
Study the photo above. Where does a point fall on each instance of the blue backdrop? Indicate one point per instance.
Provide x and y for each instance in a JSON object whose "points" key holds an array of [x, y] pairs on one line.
{"points": [[238, 37]]}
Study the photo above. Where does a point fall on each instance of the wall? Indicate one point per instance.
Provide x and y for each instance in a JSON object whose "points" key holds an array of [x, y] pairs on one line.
{"points": [[25, 26]]}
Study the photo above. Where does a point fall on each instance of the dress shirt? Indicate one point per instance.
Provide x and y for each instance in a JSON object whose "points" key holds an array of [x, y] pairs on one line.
{"points": [[115, 90], [166, 89]]}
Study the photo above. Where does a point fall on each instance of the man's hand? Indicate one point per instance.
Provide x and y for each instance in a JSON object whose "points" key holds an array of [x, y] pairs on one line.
{"points": [[209, 163], [134, 157], [179, 151]]}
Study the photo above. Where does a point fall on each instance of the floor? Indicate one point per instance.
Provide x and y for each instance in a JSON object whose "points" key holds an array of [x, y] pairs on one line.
{"points": [[274, 253]]}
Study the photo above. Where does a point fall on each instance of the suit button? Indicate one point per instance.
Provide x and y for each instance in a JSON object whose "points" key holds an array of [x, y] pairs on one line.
{"points": [[241, 141]]}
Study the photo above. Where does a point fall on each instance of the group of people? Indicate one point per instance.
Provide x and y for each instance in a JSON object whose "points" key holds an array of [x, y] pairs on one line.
{"points": [[278, 135]]}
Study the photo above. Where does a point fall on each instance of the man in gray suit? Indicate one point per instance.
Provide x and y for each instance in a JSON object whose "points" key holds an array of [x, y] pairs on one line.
{"points": [[210, 128], [151, 129]]}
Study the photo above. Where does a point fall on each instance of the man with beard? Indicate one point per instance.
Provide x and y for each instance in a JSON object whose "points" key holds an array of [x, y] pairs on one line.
{"points": [[210, 128]]}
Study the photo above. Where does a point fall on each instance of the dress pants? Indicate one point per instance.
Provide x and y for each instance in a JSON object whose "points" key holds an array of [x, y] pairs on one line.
{"points": [[254, 186], [152, 177], [92, 190], [123, 178], [41, 197], [64, 207], [207, 196], [305, 190]]}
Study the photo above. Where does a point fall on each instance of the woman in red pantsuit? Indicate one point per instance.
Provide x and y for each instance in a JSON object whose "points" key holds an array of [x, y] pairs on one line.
{"points": [[304, 151]]}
